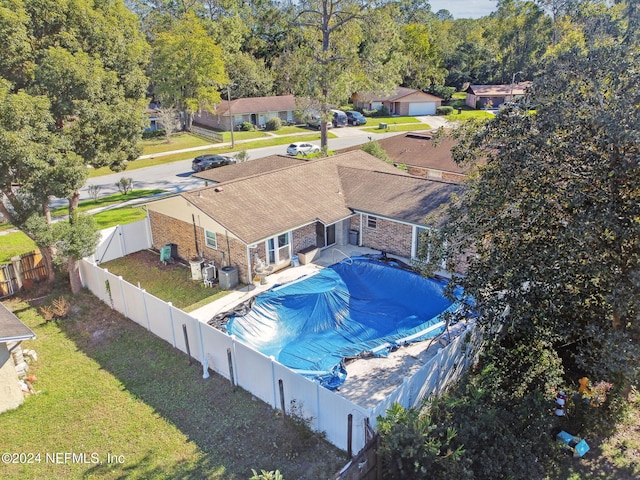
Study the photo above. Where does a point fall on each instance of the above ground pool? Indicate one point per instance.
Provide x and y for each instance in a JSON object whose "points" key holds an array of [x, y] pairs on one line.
{"points": [[358, 306]]}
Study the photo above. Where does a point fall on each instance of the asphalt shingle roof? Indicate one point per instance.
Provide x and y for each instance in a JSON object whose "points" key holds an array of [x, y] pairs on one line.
{"points": [[398, 94], [11, 328], [243, 106], [325, 189], [248, 168], [405, 198]]}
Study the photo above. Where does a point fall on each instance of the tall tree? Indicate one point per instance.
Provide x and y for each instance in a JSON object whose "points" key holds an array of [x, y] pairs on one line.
{"points": [[554, 215], [87, 58], [522, 32], [343, 50], [188, 68]]}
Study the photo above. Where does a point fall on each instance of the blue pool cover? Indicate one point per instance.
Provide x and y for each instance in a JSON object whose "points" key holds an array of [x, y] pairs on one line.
{"points": [[357, 306]]}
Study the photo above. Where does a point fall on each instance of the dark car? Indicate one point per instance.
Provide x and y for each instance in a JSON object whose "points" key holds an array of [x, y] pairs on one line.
{"points": [[355, 118], [339, 118], [205, 162]]}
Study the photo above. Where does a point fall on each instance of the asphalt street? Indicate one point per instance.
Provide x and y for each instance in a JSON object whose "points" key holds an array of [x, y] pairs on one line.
{"points": [[176, 177]]}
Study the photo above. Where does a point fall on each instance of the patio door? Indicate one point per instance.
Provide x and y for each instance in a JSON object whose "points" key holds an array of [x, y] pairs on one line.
{"points": [[325, 234], [279, 249]]}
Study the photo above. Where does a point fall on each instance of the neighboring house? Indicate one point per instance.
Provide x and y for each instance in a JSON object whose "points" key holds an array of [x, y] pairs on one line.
{"points": [[248, 168], [402, 101], [492, 96], [350, 197], [12, 333], [423, 157], [154, 123], [257, 111]]}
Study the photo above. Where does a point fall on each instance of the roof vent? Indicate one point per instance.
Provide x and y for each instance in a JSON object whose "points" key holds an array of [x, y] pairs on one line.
{"points": [[218, 189]]}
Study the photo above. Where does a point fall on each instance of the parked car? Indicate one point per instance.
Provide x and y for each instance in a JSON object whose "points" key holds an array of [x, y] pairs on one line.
{"points": [[205, 162], [339, 118], [303, 148], [314, 122], [355, 118]]}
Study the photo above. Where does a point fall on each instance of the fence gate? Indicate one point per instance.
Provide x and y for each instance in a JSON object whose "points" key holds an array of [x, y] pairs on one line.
{"points": [[8, 280], [365, 465]]}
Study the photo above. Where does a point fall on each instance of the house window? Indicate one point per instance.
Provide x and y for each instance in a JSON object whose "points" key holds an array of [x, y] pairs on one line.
{"points": [[372, 222], [210, 239], [279, 249]]}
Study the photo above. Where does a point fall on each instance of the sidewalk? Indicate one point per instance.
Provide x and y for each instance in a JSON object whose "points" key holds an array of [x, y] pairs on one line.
{"points": [[431, 121]]}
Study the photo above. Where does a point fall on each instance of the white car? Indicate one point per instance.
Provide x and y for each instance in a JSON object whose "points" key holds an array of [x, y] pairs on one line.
{"points": [[303, 148]]}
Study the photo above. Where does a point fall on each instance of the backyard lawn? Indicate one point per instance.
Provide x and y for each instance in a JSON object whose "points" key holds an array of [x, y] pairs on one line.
{"points": [[171, 282], [129, 405]]}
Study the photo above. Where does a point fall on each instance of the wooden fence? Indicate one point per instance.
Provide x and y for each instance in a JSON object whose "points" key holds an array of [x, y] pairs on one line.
{"points": [[22, 272]]}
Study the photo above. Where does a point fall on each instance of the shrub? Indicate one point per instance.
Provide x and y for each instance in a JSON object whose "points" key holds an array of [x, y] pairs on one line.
{"points": [[247, 127], [153, 134], [444, 110], [241, 156], [94, 191], [382, 112], [375, 149], [273, 124], [125, 185], [265, 475], [441, 91], [59, 308]]}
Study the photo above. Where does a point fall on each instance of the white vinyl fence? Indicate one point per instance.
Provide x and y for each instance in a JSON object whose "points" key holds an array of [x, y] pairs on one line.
{"points": [[121, 240], [265, 378]]}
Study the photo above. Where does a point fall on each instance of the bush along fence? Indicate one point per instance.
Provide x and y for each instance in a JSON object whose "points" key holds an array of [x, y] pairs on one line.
{"points": [[345, 424], [22, 272]]}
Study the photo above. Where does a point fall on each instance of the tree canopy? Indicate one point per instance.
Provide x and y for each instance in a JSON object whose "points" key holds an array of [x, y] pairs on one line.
{"points": [[552, 218], [73, 73]]}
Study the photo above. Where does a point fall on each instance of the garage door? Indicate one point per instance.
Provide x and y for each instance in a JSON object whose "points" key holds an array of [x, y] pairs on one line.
{"points": [[423, 108]]}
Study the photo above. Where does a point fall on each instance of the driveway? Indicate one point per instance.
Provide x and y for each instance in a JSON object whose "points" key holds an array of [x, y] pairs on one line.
{"points": [[435, 121]]}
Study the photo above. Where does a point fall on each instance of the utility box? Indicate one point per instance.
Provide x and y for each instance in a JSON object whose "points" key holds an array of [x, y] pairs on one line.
{"points": [[196, 268], [228, 277]]}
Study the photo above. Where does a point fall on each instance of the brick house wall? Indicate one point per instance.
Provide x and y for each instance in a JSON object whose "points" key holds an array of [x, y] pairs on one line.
{"points": [[392, 237], [435, 174], [303, 237], [230, 251]]}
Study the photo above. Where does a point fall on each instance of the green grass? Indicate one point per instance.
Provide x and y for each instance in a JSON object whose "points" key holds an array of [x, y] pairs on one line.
{"points": [[291, 130], [171, 283], [375, 121], [119, 216], [160, 160], [14, 243], [17, 243], [240, 135], [105, 201], [398, 128], [107, 386], [468, 113], [178, 142]]}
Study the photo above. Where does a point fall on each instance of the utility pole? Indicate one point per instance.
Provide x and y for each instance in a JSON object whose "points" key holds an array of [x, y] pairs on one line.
{"points": [[230, 116]]}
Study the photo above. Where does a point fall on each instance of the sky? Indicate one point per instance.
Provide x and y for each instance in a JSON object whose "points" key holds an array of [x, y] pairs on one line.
{"points": [[464, 8]]}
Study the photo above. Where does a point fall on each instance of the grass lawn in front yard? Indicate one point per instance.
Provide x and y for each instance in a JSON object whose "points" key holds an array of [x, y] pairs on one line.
{"points": [[105, 201], [162, 159], [392, 127], [110, 390], [178, 141], [390, 120]]}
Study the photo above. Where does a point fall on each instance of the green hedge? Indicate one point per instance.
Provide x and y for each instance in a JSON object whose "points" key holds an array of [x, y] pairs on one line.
{"points": [[444, 110]]}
